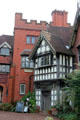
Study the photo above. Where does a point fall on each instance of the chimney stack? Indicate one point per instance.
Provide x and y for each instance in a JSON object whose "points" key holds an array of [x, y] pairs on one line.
{"points": [[59, 18]]}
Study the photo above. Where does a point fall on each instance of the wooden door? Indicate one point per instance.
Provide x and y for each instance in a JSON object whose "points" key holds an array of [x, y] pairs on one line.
{"points": [[1, 92], [46, 100]]}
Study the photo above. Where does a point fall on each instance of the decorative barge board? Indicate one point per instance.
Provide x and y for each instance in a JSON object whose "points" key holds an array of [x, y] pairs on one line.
{"points": [[51, 65]]}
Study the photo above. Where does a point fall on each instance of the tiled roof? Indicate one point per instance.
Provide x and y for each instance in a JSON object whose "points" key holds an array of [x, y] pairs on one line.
{"points": [[64, 33], [59, 39], [26, 52], [7, 38]]}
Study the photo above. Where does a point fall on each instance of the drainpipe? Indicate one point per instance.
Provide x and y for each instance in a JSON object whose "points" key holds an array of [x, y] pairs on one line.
{"points": [[30, 82]]}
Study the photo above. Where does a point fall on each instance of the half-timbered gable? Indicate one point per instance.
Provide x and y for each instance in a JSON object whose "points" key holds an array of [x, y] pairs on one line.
{"points": [[53, 60]]}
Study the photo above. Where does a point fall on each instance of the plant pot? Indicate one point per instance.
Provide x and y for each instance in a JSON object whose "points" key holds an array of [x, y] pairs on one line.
{"points": [[49, 112]]}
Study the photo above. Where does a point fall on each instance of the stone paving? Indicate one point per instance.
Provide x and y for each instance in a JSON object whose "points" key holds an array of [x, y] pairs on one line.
{"points": [[22, 116]]}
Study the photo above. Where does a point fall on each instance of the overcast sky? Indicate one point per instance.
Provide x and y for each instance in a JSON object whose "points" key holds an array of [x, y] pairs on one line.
{"points": [[32, 9]]}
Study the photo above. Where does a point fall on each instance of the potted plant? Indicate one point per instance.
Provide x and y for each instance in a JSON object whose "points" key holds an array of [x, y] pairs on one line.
{"points": [[50, 112], [37, 109], [54, 111]]}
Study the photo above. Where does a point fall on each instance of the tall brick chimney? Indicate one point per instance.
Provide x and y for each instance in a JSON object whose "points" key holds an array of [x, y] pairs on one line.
{"points": [[59, 18]]}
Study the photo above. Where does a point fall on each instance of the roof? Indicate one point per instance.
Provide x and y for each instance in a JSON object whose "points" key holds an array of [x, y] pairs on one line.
{"points": [[7, 38], [58, 38], [26, 52], [65, 33], [61, 38]]}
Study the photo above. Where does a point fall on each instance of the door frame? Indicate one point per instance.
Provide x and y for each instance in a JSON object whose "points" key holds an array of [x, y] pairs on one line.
{"points": [[1, 95], [43, 101]]}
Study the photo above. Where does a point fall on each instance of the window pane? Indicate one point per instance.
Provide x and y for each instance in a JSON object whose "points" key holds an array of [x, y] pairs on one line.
{"points": [[31, 64], [7, 68], [23, 65], [0, 68], [27, 64], [28, 40], [33, 40], [2, 51], [26, 58], [7, 51], [3, 68], [23, 59]]}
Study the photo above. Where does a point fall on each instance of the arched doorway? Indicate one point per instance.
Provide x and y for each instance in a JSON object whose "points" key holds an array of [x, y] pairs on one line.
{"points": [[1, 93]]}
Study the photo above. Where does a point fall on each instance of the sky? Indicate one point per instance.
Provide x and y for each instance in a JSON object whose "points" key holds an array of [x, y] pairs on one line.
{"points": [[32, 10]]}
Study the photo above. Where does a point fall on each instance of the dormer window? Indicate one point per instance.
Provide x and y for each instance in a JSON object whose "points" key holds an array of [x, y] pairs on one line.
{"points": [[4, 51]]}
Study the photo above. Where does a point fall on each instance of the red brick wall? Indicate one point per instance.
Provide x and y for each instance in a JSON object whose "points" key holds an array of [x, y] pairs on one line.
{"points": [[5, 60], [76, 44], [4, 95], [4, 77], [11, 84], [21, 30]]}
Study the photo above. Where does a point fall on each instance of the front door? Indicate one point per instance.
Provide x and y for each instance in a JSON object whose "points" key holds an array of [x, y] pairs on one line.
{"points": [[46, 100], [1, 92]]}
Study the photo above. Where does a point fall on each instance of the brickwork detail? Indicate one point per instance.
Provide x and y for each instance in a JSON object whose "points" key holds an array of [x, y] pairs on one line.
{"points": [[59, 18]]}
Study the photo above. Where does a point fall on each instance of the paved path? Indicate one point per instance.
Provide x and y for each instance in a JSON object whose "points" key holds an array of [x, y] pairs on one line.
{"points": [[22, 116]]}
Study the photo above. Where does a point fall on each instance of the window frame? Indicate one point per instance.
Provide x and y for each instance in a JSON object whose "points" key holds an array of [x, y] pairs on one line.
{"points": [[27, 63], [22, 93], [31, 39], [4, 52], [4, 66], [28, 41], [44, 60]]}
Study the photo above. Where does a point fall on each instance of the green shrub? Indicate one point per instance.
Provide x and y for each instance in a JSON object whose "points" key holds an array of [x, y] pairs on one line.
{"points": [[8, 106], [5, 107], [70, 116], [58, 107], [72, 90], [31, 102]]}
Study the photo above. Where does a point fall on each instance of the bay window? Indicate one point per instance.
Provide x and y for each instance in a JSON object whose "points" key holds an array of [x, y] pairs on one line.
{"points": [[26, 63], [44, 60]]}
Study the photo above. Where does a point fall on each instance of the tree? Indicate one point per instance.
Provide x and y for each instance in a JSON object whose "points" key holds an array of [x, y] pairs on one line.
{"points": [[72, 90]]}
